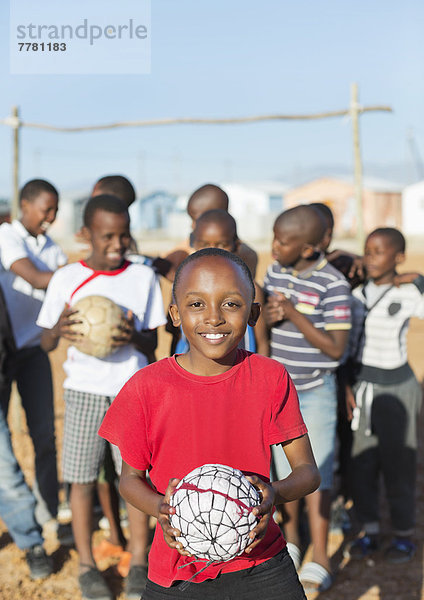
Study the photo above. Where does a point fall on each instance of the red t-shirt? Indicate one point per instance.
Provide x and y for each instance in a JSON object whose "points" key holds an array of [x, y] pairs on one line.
{"points": [[168, 421]]}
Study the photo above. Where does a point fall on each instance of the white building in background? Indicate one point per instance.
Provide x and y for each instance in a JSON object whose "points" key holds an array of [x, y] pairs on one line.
{"points": [[413, 209], [69, 218], [253, 205]]}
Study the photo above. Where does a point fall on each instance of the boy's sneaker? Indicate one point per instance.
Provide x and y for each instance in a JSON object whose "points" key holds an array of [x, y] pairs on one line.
{"points": [[401, 550], [362, 547], [136, 582], [93, 586], [38, 562]]}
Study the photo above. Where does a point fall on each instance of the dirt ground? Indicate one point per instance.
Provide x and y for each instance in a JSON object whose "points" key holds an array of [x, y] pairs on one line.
{"points": [[373, 580]]}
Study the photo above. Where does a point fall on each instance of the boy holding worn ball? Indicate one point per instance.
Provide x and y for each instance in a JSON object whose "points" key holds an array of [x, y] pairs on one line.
{"points": [[92, 383], [214, 404]]}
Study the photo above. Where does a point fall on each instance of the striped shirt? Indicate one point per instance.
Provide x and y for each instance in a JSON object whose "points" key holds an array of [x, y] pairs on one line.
{"points": [[383, 343], [322, 294]]}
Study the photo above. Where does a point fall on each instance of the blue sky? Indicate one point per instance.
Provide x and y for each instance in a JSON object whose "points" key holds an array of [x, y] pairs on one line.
{"points": [[231, 58]]}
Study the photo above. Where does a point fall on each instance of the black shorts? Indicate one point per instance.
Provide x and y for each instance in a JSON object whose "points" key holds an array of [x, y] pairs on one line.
{"points": [[273, 579]]}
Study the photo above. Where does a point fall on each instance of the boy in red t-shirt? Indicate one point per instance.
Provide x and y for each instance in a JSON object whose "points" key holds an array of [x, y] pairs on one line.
{"points": [[214, 404]]}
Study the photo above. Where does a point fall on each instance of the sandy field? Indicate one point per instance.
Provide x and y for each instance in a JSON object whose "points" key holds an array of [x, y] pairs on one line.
{"points": [[373, 580]]}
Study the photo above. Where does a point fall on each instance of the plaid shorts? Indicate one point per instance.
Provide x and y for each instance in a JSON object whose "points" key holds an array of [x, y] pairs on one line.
{"points": [[83, 449]]}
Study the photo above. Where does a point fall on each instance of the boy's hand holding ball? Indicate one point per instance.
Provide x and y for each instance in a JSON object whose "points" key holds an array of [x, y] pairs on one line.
{"points": [[126, 329], [263, 511], [63, 327], [165, 510]]}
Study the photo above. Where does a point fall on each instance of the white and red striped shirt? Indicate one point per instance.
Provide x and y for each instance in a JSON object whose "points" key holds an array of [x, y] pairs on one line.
{"points": [[133, 287]]}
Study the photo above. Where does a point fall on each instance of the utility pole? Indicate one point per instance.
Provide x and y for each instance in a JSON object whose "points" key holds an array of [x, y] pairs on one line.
{"points": [[354, 113], [15, 124]]}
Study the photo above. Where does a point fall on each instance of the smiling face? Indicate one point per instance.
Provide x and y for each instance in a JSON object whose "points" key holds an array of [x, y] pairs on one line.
{"points": [[214, 304], [214, 235], [109, 236], [381, 259], [38, 214]]}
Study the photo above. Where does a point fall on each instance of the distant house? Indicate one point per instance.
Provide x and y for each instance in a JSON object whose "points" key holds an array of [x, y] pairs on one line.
{"points": [[69, 216], [255, 205], [413, 209], [148, 213], [382, 202], [152, 211]]}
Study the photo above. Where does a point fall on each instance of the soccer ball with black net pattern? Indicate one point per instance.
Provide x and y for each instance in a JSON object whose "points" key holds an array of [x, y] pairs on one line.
{"points": [[214, 512]]}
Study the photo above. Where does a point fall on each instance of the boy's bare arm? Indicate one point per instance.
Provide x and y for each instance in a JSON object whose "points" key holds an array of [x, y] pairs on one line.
{"points": [[304, 479], [25, 268], [50, 337], [146, 340], [49, 340], [332, 343], [261, 330], [357, 268], [350, 402], [168, 265], [402, 278], [134, 487], [249, 256]]}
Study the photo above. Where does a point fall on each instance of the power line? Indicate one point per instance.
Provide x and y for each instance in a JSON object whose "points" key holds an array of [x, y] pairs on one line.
{"points": [[194, 120], [354, 111]]}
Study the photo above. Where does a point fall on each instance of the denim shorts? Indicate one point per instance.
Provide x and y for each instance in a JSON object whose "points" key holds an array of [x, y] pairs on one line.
{"points": [[319, 410], [273, 579]]}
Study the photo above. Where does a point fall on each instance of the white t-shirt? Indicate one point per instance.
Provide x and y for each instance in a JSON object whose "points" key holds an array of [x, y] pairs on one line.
{"points": [[22, 300], [383, 343], [133, 287]]}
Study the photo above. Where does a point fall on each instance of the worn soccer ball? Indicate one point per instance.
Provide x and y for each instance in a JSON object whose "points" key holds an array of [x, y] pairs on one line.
{"points": [[100, 319], [214, 506]]}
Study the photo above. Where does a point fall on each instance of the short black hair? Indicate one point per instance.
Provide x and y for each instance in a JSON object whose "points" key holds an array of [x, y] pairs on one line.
{"points": [[117, 185], [32, 189], [221, 217], [209, 193], [103, 202], [304, 220], [325, 211], [394, 237], [212, 252]]}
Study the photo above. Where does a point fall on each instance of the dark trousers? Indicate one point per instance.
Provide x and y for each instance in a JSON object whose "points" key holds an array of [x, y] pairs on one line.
{"points": [[30, 368], [390, 449], [274, 579]]}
